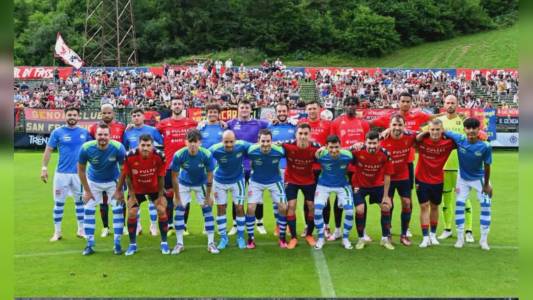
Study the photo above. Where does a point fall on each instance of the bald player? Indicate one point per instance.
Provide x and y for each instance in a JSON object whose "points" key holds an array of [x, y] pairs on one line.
{"points": [[229, 178], [453, 122]]}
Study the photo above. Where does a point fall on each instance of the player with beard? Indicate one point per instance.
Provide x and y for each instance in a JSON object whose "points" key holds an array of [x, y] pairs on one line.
{"points": [[373, 169], [144, 173], [116, 133], [399, 143], [68, 140], [282, 130], [104, 157], [413, 122], [350, 130], [174, 131], [264, 158], [131, 140]]}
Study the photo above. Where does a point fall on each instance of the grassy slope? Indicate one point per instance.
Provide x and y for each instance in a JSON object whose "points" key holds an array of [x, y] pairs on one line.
{"points": [[58, 269], [492, 49]]}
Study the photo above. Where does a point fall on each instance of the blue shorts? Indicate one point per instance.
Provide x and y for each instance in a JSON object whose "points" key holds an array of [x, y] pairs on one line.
{"points": [[429, 192], [375, 195], [291, 190], [402, 186]]}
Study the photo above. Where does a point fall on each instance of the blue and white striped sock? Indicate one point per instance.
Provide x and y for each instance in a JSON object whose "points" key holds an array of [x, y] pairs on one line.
{"points": [[89, 224], [276, 212], [221, 223], [241, 221], [485, 218], [209, 221], [118, 221], [153, 212], [460, 215], [348, 220], [79, 212], [282, 222], [59, 208], [179, 222], [319, 220]]}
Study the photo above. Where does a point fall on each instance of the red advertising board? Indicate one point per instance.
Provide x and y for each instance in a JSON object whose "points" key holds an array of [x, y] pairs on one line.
{"points": [[33, 73]]}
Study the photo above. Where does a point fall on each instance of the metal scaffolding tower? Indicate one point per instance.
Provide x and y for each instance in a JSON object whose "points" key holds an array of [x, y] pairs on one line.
{"points": [[109, 34]]}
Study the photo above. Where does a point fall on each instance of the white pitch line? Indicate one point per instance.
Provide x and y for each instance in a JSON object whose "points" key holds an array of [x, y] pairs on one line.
{"points": [[475, 245], [326, 285]]}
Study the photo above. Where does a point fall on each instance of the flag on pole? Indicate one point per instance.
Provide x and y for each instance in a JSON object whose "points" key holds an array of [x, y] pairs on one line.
{"points": [[66, 54]]}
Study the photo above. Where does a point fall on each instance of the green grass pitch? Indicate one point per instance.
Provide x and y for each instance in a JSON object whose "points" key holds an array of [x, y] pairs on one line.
{"points": [[58, 269]]}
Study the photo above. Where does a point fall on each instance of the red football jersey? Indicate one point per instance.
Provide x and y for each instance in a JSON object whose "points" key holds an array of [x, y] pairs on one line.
{"points": [[432, 157], [144, 171], [174, 134], [115, 128], [413, 122], [399, 151], [371, 168], [320, 129], [299, 168], [349, 130]]}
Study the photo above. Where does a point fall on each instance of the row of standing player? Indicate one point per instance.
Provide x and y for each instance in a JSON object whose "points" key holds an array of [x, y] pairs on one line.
{"points": [[312, 109]]}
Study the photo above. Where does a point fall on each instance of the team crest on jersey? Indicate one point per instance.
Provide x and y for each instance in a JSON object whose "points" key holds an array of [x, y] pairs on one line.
{"points": [[275, 161], [477, 153], [238, 155], [343, 167], [82, 136]]}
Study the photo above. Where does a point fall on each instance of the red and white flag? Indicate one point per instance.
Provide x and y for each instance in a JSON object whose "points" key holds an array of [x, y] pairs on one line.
{"points": [[66, 54]]}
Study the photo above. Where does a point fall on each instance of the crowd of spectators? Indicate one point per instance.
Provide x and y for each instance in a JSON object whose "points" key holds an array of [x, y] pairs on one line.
{"points": [[209, 81]]}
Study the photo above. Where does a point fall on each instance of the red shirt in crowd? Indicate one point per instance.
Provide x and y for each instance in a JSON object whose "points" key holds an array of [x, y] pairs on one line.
{"points": [[432, 157], [116, 130], [399, 151], [371, 168], [144, 172], [174, 134], [300, 163]]}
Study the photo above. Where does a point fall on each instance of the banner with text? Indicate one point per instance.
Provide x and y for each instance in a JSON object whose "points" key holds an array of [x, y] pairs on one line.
{"points": [[46, 120]]}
